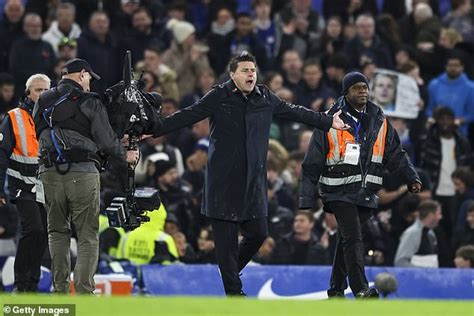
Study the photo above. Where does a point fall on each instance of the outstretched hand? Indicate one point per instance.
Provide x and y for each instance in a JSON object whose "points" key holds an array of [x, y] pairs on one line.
{"points": [[414, 187], [338, 123]]}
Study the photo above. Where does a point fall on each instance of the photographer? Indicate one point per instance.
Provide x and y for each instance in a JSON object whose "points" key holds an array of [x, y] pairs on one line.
{"points": [[72, 126]]}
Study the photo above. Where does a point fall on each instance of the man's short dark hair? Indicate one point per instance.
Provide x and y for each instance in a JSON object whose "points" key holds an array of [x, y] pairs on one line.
{"points": [[340, 61], [443, 111], [456, 54], [244, 56], [143, 9], [312, 62], [306, 213], [243, 15], [154, 48], [427, 207], [6, 79], [465, 175], [467, 253]]}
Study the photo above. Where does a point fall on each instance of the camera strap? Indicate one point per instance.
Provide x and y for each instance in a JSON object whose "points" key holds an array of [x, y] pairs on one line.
{"points": [[48, 117]]}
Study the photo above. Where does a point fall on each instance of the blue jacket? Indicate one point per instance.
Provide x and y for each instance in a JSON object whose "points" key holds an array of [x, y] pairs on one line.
{"points": [[457, 94]]}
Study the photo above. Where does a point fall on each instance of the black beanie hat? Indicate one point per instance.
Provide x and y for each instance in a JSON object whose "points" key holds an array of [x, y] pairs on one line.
{"points": [[352, 78]]}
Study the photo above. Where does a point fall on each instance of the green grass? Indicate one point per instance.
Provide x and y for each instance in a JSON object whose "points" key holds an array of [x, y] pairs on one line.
{"points": [[196, 306]]}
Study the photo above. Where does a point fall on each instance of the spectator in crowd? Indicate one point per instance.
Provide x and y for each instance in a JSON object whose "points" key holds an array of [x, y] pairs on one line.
{"points": [[367, 46], [121, 15], [279, 189], [465, 257], [464, 183], [418, 244], [196, 164], [389, 32], [224, 22], [301, 246], [454, 90], [11, 29], [465, 236], [63, 25], [332, 40], [336, 68], [30, 55], [292, 67], [312, 92], [287, 37], [449, 38], [186, 252], [461, 18], [350, 10], [444, 150], [7, 93], [264, 254], [175, 194], [265, 28], [274, 81], [205, 81], [67, 49], [295, 159], [97, 46], [308, 23], [206, 247], [149, 243], [186, 56], [184, 140], [144, 34], [167, 78]]}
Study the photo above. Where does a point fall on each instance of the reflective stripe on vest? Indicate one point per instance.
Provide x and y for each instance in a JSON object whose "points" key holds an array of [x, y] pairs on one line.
{"points": [[18, 175], [338, 140], [26, 144], [25, 152]]}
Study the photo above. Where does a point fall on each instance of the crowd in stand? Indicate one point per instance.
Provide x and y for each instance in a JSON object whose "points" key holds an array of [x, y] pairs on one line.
{"points": [[303, 49]]}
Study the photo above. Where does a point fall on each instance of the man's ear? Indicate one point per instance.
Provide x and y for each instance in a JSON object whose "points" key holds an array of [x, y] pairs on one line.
{"points": [[231, 74]]}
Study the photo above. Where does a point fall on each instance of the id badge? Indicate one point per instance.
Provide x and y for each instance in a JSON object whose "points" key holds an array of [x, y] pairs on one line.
{"points": [[352, 154], [39, 192]]}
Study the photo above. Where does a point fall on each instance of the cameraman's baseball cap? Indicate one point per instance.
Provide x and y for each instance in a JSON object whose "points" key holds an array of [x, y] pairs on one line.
{"points": [[76, 65]]}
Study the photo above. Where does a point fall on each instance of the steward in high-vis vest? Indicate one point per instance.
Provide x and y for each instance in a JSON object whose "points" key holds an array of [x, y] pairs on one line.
{"points": [[19, 161], [347, 166], [149, 243], [72, 125]]}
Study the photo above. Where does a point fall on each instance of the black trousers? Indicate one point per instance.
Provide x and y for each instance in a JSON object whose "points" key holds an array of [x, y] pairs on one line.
{"points": [[233, 256], [349, 254], [32, 245]]}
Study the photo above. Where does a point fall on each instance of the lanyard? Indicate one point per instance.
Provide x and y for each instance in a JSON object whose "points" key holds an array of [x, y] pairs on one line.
{"points": [[357, 126]]}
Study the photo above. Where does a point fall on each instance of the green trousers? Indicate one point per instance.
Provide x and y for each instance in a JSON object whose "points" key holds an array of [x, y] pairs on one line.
{"points": [[73, 198]]}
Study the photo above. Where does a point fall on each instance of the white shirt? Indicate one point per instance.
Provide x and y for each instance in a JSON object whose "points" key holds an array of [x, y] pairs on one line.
{"points": [[448, 165]]}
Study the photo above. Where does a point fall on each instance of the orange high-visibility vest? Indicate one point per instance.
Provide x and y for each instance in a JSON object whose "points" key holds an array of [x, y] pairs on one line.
{"points": [[25, 152], [335, 157]]}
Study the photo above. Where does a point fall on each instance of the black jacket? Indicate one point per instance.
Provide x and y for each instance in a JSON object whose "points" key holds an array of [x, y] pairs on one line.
{"points": [[285, 250], [431, 154], [236, 180], [314, 164], [102, 137]]}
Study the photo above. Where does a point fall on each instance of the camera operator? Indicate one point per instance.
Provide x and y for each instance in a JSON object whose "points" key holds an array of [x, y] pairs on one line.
{"points": [[72, 126]]}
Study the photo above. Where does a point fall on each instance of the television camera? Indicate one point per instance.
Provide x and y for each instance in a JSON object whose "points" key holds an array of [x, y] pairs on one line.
{"points": [[133, 113]]}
